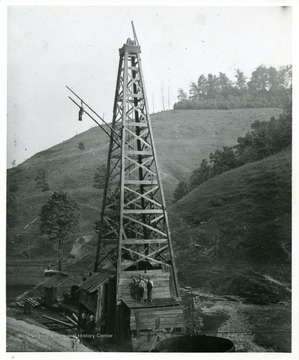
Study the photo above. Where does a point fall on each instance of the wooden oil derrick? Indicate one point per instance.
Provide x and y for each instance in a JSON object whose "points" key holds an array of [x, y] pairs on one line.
{"points": [[134, 223], [134, 237], [134, 232]]}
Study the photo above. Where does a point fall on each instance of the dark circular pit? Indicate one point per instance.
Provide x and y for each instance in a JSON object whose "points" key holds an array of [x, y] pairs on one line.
{"points": [[196, 343]]}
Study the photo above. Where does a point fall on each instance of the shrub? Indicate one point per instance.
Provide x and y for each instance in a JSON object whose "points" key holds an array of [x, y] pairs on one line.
{"points": [[81, 145]]}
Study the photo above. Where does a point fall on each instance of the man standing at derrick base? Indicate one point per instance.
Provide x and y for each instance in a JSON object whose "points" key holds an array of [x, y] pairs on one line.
{"points": [[150, 286]]}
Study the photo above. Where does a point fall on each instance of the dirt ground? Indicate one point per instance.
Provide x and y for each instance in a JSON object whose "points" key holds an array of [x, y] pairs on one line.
{"points": [[251, 327], [22, 336]]}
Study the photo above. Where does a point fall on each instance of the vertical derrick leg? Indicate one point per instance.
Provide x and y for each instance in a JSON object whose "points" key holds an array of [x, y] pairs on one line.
{"points": [[139, 148], [108, 167]]}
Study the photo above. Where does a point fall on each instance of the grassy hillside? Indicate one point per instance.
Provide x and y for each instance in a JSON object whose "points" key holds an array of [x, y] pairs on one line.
{"points": [[182, 138], [234, 231]]}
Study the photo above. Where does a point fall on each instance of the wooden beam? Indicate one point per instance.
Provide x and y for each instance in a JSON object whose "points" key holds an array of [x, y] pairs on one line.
{"points": [[139, 95], [72, 321], [149, 256], [140, 182], [146, 211], [142, 165], [137, 261], [58, 321], [113, 168], [157, 219], [107, 241], [108, 254], [136, 137], [136, 124], [144, 195], [122, 181], [143, 241], [136, 153], [147, 226]]}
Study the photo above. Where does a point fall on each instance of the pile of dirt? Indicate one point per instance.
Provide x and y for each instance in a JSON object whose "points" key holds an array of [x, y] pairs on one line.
{"points": [[22, 336]]}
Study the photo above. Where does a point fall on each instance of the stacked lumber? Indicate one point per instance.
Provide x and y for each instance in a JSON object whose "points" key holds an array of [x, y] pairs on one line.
{"points": [[33, 302], [58, 321]]}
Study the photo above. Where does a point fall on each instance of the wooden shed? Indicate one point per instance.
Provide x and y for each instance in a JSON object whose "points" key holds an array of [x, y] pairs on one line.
{"points": [[56, 286], [97, 297]]}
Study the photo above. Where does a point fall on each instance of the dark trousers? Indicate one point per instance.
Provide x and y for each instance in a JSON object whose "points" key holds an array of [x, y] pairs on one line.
{"points": [[141, 293]]}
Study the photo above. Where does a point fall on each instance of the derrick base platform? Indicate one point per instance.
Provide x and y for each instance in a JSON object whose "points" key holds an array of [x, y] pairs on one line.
{"points": [[144, 323]]}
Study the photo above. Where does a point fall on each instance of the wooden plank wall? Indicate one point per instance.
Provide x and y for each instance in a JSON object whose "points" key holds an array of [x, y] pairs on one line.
{"points": [[99, 308], [111, 306], [157, 318], [102, 305], [161, 284], [88, 300], [50, 296]]}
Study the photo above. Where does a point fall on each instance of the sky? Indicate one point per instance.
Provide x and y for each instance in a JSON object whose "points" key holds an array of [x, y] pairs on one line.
{"points": [[49, 47]]}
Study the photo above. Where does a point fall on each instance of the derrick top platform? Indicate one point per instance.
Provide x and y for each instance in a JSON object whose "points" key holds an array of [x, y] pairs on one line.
{"points": [[131, 47]]}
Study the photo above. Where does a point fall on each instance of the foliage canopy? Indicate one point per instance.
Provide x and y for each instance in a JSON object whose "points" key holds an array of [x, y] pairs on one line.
{"points": [[41, 180], [267, 87], [59, 216]]}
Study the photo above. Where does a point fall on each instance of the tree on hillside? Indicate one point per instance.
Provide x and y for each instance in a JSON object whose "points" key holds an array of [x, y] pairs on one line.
{"points": [[212, 86], [273, 80], [259, 80], [245, 151], [285, 76], [240, 81], [266, 138], [182, 95], [200, 175], [283, 132], [225, 85], [180, 191], [222, 160], [267, 87], [59, 217], [193, 92], [41, 180], [81, 145], [261, 139], [198, 91]]}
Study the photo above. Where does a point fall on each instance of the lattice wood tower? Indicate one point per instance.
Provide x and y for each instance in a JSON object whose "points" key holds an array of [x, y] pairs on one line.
{"points": [[134, 230]]}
